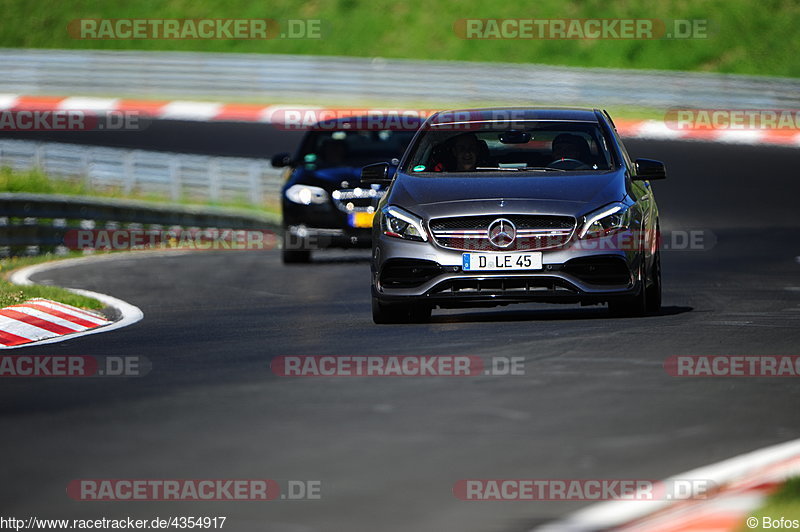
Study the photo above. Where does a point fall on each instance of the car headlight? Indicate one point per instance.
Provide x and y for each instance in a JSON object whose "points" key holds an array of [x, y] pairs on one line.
{"points": [[306, 194], [402, 224], [606, 221]]}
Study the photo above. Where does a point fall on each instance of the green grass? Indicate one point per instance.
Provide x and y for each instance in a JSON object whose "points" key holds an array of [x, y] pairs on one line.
{"points": [[783, 503], [36, 182], [746, 37], [11, 294]]}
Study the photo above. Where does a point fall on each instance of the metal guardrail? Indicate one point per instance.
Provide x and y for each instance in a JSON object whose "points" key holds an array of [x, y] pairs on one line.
{"points": [[32, 224], [339, 80], [38, 223], [170, 175]]}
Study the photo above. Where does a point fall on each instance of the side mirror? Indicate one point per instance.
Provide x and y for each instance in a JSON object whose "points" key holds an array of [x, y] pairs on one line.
{"points": [[376, 174], [281, 159], [648, 169]]}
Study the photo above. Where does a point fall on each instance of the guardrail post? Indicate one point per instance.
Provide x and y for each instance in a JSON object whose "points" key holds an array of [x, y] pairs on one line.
{"points": [[86, 167], [175, 179], [213, 179], [38, 157], [128, 178], [254, 173]]}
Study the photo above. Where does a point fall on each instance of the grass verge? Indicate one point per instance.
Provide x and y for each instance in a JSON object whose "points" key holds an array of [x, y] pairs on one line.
{"points": [[784, 503], [742, 37], [11, 294]]}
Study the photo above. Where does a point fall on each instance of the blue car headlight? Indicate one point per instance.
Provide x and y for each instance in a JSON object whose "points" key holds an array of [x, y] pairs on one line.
{"points": [[306, 194]]}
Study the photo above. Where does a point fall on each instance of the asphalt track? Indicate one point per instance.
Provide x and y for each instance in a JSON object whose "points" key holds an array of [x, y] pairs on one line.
{"points": [[595, 401], [232, 139]]}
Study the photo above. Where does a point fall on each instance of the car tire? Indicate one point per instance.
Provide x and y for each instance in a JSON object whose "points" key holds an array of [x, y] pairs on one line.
{"points": [[385, 314], [633, 306], [399, 313], [294, 255], [654, 290], [420, 313]]}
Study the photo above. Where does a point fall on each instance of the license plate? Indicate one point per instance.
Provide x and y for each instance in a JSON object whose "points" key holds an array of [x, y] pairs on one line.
{"points": [[472, 262], [361, 219]]}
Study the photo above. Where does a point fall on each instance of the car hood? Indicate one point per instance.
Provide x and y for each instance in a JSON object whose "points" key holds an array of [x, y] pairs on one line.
{"points": [[566, 194]]}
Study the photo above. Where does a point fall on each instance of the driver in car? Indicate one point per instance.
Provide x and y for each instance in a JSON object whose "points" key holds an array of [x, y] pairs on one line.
{"points": [[569, 147], [465, 150], [334, 152]]}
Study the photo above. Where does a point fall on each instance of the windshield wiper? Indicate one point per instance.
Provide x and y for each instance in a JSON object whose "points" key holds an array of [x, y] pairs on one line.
{"points": [[501, 168], [518, 168], [544, 168]]}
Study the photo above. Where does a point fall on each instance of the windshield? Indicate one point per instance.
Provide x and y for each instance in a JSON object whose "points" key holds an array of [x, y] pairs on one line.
{"points": [[501, 147], [353, 148]]}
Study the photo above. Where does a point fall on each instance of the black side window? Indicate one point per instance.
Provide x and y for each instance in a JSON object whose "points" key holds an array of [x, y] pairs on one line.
{"points": [[622, 148]]}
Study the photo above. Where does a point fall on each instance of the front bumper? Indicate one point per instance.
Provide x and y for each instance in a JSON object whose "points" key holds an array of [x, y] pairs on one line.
{"points": [[320, 227], [303, 237], [405, 271]]}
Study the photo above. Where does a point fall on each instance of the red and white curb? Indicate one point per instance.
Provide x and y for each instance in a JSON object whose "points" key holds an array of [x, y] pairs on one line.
{"points": [[240, 112], [40, 321], [659, 130], [744, 483]]}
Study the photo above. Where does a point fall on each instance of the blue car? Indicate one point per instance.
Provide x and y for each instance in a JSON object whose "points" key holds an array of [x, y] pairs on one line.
{"points": [[324, 204]]}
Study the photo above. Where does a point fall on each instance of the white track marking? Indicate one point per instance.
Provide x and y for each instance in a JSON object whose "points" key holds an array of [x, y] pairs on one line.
{"points": [[89, 104], [65, 309], [49, 318], [130, 313], [25, 330], [190, 110], [612, 514], [8, 101]]}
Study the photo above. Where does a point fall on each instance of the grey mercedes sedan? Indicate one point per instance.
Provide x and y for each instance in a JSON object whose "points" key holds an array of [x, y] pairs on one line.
{"points": [[495, 206]]}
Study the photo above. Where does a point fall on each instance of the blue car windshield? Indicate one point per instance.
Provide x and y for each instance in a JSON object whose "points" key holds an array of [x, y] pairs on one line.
{"points": [[529, 146], [326, 149]]}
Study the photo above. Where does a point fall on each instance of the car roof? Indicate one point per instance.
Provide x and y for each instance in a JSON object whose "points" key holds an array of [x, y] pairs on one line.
{"points": [[515, 113], [359, 122]]}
